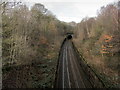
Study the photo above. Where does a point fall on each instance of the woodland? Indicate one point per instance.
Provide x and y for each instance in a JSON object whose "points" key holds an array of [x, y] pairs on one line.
{"points": [[32, 38]]}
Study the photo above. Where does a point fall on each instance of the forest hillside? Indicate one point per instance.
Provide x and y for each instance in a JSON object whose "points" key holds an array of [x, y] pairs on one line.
{"points": [[98, 40], [32, 39]]}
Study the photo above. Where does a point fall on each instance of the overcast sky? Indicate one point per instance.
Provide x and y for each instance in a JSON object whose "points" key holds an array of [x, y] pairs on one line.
{"points": [[73, 10]]}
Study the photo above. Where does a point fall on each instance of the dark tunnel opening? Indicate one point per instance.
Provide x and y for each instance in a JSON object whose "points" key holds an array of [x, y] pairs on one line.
{"points": [[69, 37]]}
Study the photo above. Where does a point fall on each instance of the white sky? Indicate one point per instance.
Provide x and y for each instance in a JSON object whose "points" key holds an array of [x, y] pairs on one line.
{"points": [[72, 10]]}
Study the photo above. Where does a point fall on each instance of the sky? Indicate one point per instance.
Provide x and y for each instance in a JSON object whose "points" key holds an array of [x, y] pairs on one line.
{"points": [[72, 10]]}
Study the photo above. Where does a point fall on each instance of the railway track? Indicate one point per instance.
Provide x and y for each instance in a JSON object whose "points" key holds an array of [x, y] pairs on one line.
{"points": [[72, 72]]}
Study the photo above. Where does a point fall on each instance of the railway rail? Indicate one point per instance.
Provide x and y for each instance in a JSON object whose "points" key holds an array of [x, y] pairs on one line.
{"points": [[72, 71]]}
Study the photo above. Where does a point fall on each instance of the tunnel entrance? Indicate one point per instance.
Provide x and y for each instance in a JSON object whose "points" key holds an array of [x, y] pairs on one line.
{"points": [[69, 37]]}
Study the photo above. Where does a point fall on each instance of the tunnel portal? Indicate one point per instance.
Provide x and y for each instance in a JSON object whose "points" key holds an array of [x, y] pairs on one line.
{"points": [[69, 36]]}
